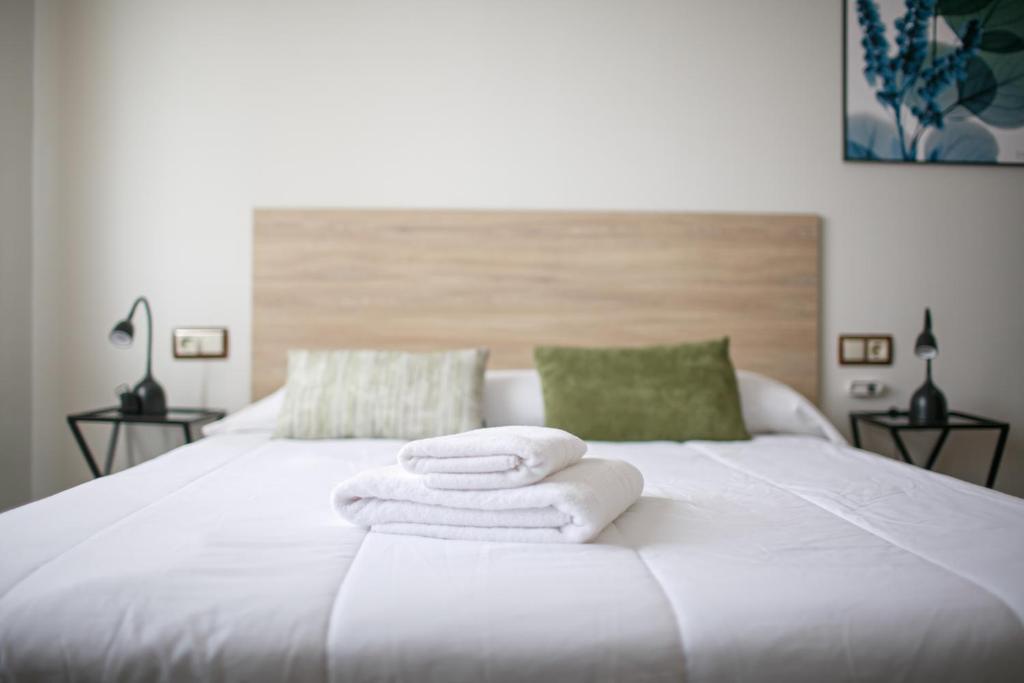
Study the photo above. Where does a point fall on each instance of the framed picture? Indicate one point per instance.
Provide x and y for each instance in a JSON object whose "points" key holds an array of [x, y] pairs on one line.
{"points": [[934, 81], [865, 349]]}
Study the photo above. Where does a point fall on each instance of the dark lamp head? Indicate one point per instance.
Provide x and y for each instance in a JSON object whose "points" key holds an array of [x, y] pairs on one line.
{"points": [[926, 348], [122, 334]]}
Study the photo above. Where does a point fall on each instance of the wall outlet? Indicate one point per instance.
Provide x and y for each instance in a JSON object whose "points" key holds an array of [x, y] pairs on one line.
{"points": [[867, 388], [200, 342]]}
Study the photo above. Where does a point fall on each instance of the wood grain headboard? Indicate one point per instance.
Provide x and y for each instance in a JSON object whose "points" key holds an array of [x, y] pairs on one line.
{"points": [[512, 280]]}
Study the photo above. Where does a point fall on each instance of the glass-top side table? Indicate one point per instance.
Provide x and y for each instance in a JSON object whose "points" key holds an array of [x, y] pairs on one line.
{"points": [[185, 418], [896, 421]]}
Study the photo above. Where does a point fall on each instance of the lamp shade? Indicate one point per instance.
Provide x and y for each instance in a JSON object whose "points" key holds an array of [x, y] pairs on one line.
{"points": [[926, 347], [122, 334]]}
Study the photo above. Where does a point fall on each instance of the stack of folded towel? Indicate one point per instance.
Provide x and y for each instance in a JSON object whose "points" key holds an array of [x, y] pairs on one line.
{"points": [[495, 484]]}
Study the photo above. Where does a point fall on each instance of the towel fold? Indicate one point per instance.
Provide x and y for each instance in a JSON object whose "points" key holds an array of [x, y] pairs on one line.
{"points": [[570, 506], [491, 458]]}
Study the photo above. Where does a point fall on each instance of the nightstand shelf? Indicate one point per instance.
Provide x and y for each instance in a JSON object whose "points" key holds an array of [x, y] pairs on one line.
{"points": [[185, 418], [896, 421]]}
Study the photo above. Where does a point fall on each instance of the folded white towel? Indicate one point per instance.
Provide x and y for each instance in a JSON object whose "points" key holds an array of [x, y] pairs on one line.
{"points": [[571, 506], [491, 458]]}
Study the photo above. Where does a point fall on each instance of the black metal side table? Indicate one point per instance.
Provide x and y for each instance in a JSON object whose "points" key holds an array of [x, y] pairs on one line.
{"points": [[175, 417], [897, 421]]}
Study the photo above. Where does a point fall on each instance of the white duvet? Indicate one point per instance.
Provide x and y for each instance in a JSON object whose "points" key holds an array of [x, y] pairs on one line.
{"points": [[785, 558]]}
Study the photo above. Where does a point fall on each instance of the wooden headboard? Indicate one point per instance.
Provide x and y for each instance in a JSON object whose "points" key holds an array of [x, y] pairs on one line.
{"points": [[512, 280]]}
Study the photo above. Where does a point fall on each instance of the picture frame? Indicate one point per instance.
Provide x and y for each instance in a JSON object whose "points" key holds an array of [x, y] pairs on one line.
{"points": [[962, 101], [865, 349]]}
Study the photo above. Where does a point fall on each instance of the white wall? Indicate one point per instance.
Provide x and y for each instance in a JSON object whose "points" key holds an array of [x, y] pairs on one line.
{"points": [[177, 118], [15, 250]]}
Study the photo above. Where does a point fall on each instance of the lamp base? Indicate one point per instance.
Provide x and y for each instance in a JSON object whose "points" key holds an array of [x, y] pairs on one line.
{"points": [[151, 397], [928, 405]]}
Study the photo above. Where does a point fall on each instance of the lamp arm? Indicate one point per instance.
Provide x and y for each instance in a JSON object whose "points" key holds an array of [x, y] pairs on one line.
{"points": [[149, 331]]}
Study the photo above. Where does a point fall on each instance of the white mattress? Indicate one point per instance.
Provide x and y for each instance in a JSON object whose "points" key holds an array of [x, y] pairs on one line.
{"points": [[785, 558]]}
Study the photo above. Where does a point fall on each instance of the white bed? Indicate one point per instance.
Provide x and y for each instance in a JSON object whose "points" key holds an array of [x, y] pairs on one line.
{"points": [[789, 558]]}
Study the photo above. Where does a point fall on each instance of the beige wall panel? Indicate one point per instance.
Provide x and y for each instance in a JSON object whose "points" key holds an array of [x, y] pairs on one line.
{"points": [[510, 281]]}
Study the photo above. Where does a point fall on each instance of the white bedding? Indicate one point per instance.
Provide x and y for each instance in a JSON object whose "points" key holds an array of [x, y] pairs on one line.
{"points": [[785, 558]]}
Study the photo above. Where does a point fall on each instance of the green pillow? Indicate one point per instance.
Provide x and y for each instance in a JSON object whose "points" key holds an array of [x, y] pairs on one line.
{"points": [[657, 393], [382, 394]]}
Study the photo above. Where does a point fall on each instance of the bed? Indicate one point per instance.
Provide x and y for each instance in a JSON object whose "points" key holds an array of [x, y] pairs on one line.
{"points": [[789, 557]]}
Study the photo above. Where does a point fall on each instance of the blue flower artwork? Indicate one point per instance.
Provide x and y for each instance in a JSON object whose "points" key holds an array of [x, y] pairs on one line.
{"points": [[934, 81]]}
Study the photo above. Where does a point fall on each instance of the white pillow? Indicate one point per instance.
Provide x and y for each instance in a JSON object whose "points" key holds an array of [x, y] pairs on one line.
{"points": [[514, 397], [771, 407], [511, 397], [260, 416]]}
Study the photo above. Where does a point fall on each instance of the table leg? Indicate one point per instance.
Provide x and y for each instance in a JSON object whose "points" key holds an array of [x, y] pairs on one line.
{"points": [[901, 447], [856, 431], [112, 447], [936, 448], [188, 433], [993, 469], [84, 447]]}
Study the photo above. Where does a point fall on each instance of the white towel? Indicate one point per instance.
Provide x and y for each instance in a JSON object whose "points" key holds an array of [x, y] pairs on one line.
{"points": [[571, 506], [491, 458]]}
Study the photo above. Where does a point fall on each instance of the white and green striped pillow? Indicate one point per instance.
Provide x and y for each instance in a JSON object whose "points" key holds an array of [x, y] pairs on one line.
{"points": [[382, 394]]}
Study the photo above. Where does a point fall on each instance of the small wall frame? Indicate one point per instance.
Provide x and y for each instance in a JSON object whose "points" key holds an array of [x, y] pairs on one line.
{"points": [[865, 349], [199, 343]]}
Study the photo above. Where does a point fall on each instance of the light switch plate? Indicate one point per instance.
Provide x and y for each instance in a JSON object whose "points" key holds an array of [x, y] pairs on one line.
{"points": [[200, 342]]}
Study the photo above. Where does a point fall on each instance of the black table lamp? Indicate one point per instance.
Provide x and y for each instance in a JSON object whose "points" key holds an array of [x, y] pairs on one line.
{"points": [[149, 394], [928, 404]]}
